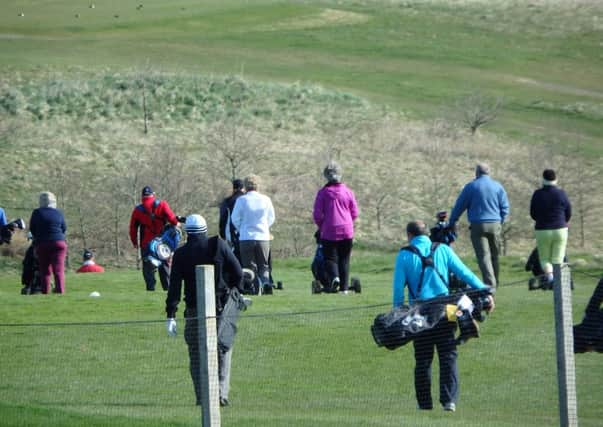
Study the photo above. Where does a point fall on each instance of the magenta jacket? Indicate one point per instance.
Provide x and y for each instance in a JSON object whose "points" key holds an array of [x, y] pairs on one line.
{"points": [[335, 210]]}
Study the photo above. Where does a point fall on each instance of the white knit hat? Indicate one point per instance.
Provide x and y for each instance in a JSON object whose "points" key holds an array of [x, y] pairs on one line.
{"points": [[195, 224]]}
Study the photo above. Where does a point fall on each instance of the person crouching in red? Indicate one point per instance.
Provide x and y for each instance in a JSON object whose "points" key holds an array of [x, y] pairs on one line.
{"points": [[89, 265]]}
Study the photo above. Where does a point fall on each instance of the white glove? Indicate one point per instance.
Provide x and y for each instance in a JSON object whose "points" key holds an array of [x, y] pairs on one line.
{"points": [[170, 325]]}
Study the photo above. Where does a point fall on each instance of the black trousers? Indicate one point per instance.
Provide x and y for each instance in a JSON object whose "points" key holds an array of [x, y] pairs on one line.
{"points": [[148, 272], [441, 337], [337, 260]]}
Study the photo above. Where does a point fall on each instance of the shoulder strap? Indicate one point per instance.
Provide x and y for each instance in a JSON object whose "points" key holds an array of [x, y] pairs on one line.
{"points": [[426, 261], [153, 207]]}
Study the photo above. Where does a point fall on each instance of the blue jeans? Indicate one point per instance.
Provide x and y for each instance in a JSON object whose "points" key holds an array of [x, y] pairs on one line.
{"points": [[441, 337]]}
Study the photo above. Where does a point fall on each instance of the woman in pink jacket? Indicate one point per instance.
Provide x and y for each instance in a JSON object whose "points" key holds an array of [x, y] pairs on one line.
{"points": [[335, 210]]}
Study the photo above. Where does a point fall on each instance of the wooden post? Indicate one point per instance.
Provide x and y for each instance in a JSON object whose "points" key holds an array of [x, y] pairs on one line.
{"points": [[208, 346], [566, 368]]}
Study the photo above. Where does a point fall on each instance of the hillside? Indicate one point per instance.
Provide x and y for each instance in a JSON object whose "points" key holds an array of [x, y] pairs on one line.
{"points": [[184, 96]]}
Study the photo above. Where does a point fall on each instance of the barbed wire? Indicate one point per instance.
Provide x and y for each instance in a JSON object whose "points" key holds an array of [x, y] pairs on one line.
{"points": [[281, 314]]}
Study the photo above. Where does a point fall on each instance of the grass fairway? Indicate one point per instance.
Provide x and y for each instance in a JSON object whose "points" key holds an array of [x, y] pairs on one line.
{"points": [[299, 360], [544, 58]]}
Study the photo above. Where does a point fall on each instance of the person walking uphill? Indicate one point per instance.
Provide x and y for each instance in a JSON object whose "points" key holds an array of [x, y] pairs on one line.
{"points": [[48, 227], [487, 206], [335, 210], [200, 250], [552, 210], [147, 222], [227, 230], [252, 216], [408, 273]]}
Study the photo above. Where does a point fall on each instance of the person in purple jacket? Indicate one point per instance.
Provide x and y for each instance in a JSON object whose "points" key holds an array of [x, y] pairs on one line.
{"points": [[48, 227], [335, 210], [552, 210]]}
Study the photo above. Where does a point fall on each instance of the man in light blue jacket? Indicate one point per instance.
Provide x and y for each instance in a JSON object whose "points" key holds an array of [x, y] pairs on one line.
{"points": [[487, 206], [424, 284]]}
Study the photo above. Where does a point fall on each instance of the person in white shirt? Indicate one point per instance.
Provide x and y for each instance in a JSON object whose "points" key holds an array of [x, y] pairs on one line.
{"points": [[252, 216]]}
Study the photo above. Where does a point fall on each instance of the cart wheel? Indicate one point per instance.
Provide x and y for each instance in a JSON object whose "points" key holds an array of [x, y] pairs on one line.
{"points": [[315, 287]]}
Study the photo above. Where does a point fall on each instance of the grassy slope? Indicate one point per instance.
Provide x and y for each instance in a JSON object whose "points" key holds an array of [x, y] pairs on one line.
{"points": [[305, 369], [417, 58]]}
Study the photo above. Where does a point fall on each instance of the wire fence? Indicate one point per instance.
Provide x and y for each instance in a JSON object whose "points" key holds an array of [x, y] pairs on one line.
{"points": [[314, 367]]}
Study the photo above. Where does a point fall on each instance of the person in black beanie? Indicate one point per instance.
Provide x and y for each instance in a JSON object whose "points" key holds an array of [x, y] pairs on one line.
{"points": [[200, 250], [227, 230], [551, 209]]}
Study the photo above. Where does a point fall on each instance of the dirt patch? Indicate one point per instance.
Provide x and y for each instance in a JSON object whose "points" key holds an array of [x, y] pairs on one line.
{"points": [[326, 18], [554, 87], [12, 36]]}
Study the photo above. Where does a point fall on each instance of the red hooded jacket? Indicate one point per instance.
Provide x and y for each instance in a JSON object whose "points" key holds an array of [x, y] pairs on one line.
{"points": [[149, 218]]}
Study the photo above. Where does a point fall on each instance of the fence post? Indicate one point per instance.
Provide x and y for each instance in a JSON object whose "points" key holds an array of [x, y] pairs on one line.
{"points": [[566, 368], [208, 345]]}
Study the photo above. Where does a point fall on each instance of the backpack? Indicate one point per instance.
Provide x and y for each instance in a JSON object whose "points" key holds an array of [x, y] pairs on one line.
{"points": [[152, 213], [426, 261]]}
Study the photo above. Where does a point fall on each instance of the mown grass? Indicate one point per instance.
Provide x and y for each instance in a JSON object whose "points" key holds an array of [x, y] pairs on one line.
{"points": [[416, 56], [299, 360]]}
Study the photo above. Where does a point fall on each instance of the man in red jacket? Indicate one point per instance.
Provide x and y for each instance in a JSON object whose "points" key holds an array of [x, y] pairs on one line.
{"points": [[147, 222]]}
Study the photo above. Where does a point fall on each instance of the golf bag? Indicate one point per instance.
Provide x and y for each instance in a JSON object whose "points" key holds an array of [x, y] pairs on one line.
{"points": [[30, 274], [161, 248], [588, 335], [7, 230], [321, 284], [227, 319], [539, 281], [403, 324]]}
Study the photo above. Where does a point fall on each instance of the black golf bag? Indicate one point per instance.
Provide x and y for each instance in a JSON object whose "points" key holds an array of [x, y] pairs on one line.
{"points": [[30, 274], [403, 324], [588, 335], [7, 230]]}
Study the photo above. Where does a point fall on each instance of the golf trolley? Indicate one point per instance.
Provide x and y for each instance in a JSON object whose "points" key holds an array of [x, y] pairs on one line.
{"points": [[252, 285], [161, 248], [321, 284]]}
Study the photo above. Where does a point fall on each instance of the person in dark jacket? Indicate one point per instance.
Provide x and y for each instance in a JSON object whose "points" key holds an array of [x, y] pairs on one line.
{"points": [[147, 222], [227, 229], [199, 250], [48, 227], [552, 210], [335, 210]]}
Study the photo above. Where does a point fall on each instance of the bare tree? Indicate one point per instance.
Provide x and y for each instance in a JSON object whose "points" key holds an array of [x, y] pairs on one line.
{"points": [[476, 109]]}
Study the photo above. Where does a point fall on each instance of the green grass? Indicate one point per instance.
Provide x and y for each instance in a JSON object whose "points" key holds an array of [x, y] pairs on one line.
{"points": [[414, 56], [299, 359]]}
